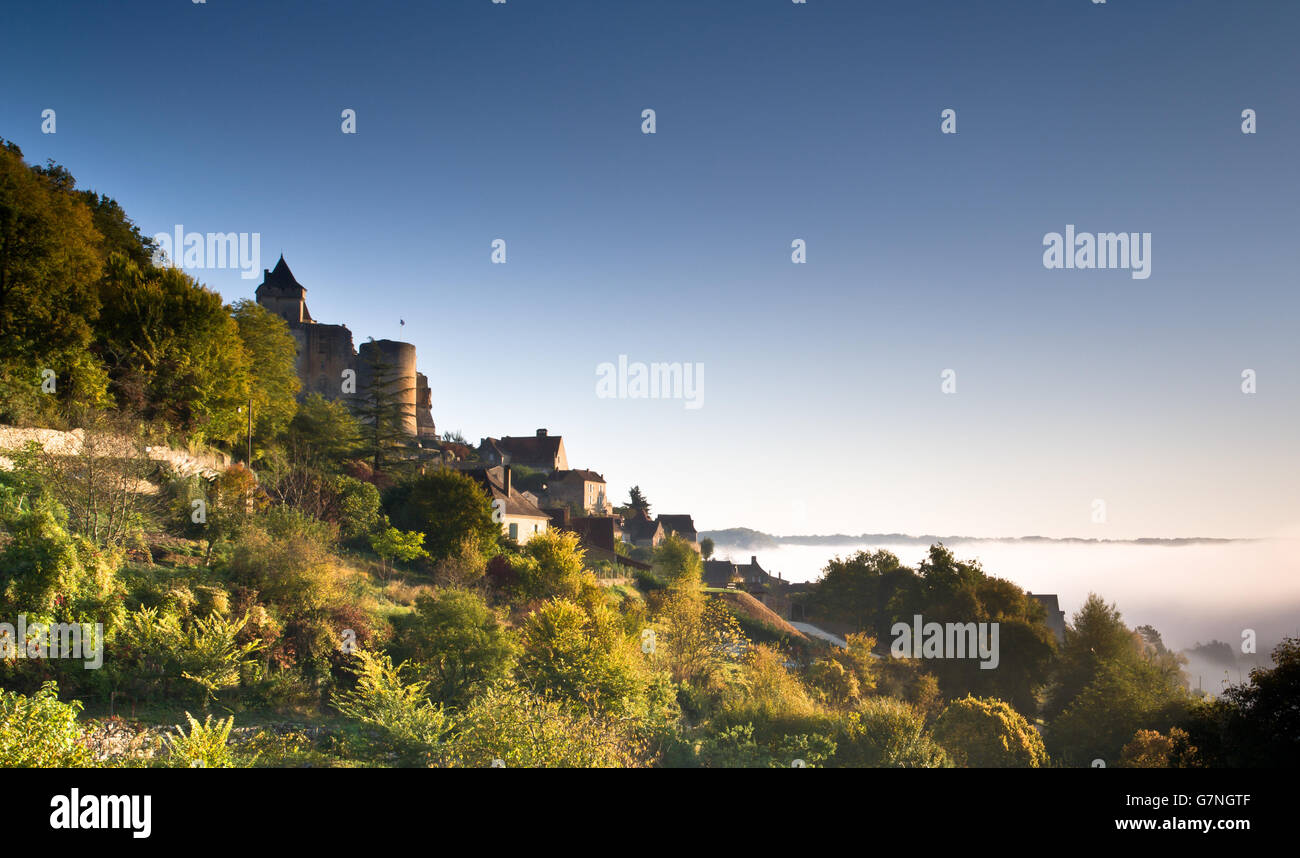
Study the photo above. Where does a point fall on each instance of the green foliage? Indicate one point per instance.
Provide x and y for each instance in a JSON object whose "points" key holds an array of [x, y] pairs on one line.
{"points": [[205, 746], [272, 352], [174, 352], [51, 575], [1149, 749], [875, 591], [637, 502], [358, 507], [49, 262], [551, 565], [887, 733], [392, 544], [1123, 697], [457, 644], [416, 730], [736, 747], [448, 508], [697, 639], [583, 657], [157, 655], [677, 562], [1254, 723], [525, 729], [986, 733], [40, 731]]}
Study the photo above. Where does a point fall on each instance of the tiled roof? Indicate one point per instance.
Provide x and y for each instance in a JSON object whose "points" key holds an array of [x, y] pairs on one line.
{"points": [[588, 476], [679, 524], [493, 480]]}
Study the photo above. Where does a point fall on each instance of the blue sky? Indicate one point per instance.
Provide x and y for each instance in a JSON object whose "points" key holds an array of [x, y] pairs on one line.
{"points": [[822, 407]]}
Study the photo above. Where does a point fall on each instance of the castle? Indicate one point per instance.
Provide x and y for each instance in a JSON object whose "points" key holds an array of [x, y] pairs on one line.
{"points": [[325, 355]]}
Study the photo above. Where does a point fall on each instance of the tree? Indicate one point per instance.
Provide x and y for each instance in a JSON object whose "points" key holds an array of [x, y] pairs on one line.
{"points": [[676, 561], [637, 502], [550, 565], [49, 263], [228, 510], [1123, 697], [1256, 723], [584, 657], [985, 733], [51, 575], [39, 732], [887, 733], [1149, 749], [448, 508], [274, 381], [381, 407], [99, 485], [323, 434], [393, 544], [173, 351], [706, 548], [696, 638], [458, 644], [1096, 637]]}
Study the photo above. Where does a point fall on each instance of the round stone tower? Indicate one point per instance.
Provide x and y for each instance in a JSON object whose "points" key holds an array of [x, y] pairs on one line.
{"points": [[391, 366]]}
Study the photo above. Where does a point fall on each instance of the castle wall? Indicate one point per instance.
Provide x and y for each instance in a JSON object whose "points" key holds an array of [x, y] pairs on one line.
{"points": [[324, 352], [424, 408]]}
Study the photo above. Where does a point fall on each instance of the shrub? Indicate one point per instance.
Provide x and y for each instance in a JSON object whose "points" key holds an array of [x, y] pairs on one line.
{"points": [[458, 644], [415, 729], [40, 731], [988, 734], [206, 746], [525, 729], [887, 733]]}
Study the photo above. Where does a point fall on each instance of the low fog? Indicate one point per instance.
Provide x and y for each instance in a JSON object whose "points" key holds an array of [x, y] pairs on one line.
{"points": [[1190, 593]]}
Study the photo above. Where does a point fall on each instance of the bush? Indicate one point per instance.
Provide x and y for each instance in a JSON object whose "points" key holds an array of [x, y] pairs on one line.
{"points": [[415, 730], [988, 734], [40, 731], [524, 729], [582, 657], [458, 644], [206, 746], [887, 733]]}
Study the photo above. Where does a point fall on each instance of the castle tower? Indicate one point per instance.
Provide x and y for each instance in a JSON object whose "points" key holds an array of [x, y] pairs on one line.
{"points": [[325, 354], [282, 294], [390, 365]]}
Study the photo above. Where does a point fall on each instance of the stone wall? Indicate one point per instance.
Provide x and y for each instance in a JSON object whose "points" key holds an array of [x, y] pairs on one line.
{"points": [[58, 443]]}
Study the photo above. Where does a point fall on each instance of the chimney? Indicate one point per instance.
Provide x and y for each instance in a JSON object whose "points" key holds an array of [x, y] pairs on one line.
{"points": [[266, 273], [505, 480], [541, 433], [753, 560]]}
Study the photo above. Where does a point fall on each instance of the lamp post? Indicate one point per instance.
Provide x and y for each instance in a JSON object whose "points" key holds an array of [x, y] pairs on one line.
{"points": [[250, 433]]}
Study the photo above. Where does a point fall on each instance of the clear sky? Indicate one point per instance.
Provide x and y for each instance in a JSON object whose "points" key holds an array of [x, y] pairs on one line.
{"points": [[822, 407]]}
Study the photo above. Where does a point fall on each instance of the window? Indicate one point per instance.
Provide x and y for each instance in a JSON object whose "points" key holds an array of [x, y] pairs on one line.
{"points": [[514, 532]]}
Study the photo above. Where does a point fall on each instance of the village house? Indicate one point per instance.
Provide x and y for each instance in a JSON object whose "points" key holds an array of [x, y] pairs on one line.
{"points": [[1055, 616], [683, 526], [521, 519], [641, 532], [542, 452], [598, 535], [584, 490]]}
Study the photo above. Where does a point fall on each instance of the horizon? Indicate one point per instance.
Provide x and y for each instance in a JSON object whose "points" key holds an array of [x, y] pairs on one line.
{"points": [[925, 251]]}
